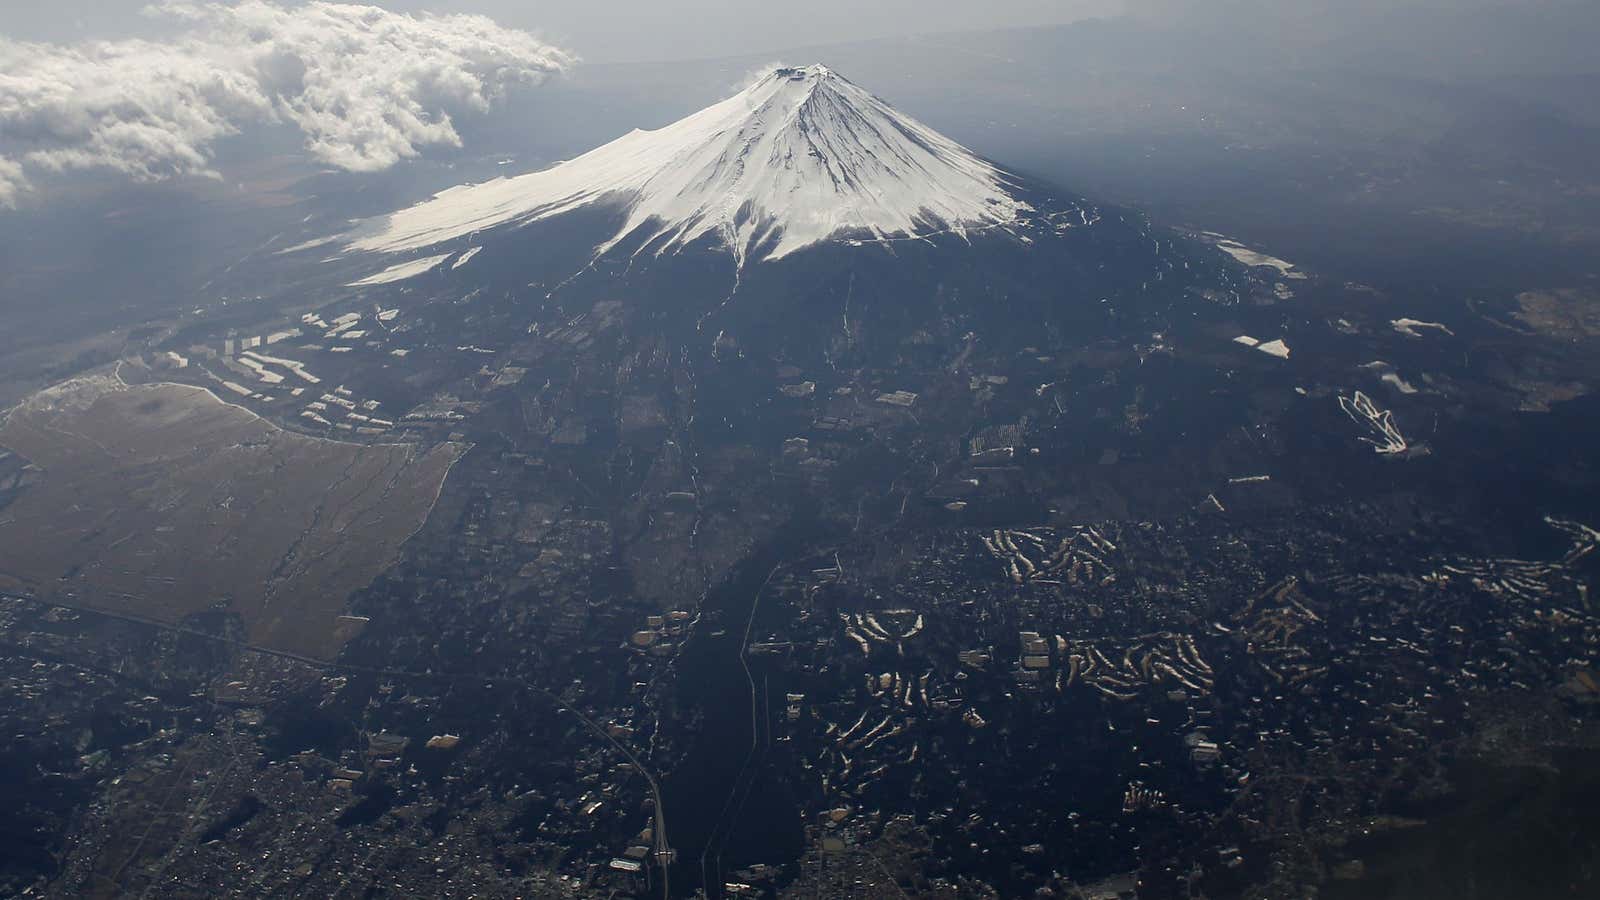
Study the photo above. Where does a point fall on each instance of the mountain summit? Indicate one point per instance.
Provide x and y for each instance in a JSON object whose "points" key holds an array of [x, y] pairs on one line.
{"points": [[799, 157]]}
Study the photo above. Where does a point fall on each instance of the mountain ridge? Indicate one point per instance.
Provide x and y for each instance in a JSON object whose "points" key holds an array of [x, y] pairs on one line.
{"points": [[800, 156]]}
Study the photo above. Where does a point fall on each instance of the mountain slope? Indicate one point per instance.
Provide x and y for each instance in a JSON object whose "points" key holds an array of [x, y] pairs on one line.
{"points": [[800, 156]]}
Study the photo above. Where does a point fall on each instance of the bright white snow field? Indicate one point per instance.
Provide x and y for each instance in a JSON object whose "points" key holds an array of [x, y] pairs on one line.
{"points": [[799, 156]]}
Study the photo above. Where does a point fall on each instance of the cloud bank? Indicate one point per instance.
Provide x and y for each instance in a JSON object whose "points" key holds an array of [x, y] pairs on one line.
{"points": [[366, 87]]}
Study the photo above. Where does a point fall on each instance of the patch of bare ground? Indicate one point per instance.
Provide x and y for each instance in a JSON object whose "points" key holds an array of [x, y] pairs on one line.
{"points": [[1563, 312], [162, 501]]}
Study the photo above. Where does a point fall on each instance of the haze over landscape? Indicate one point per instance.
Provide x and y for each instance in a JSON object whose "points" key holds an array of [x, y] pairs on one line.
{"points": [[1111, 449]]}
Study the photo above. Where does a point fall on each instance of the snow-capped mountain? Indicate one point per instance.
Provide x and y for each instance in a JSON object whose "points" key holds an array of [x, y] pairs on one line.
{"points": [[801, 219], [799, 157]]}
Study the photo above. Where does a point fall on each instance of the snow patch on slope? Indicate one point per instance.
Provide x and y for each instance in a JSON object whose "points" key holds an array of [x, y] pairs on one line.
{"points": [[1255, 258], [402, 271], [798, 157]]}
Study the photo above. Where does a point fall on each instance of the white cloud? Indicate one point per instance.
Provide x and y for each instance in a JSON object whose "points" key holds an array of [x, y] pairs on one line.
{"points": [[367, 87], [12, 182]]}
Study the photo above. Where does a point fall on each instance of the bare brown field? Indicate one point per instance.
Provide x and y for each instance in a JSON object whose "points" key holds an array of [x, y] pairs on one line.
{"points": [[1564, 312], [163, 501]]}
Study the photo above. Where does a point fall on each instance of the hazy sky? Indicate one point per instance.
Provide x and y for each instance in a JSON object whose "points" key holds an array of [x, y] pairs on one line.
{"points": [[631, 30], [601, 31], [152, 93]]}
